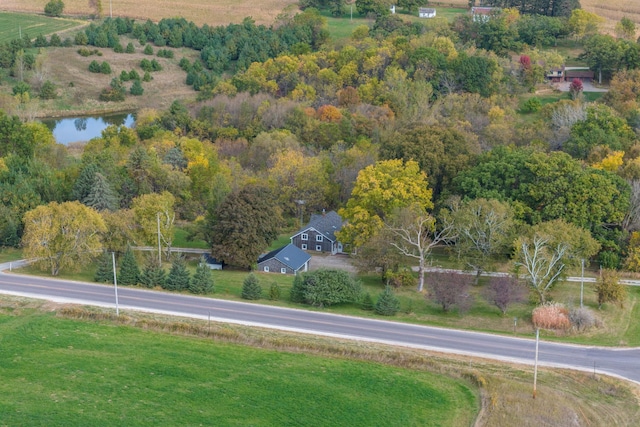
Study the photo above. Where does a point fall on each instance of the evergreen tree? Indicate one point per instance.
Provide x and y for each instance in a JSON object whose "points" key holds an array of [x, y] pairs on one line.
{"points": [[130, 48], [178, 278], [367, 302], [251, 288], [85, 181], [387, 304], [129, 271], [136, 88], [153, 274], [104, 273], [202, 280], [101, 197], [48, 90], [274, 292], [297, 290], [148, 50]]}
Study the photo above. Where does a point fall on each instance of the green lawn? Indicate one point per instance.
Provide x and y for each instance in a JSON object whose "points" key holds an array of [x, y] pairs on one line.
{"points": [[61, 372], [10, 254], [181, 240], [13, 24]]}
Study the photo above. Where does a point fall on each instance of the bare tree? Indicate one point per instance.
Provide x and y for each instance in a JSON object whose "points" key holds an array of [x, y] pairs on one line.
{"points": [[449, 289], [543, 263], [504, 291], [483, 229], [632, 219], [416, 234]]}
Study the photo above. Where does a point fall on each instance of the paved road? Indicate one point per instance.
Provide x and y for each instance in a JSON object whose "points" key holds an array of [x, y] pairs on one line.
{"points": [[623, 363]]}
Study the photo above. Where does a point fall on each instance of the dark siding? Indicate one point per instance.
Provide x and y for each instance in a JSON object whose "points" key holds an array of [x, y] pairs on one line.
{"points": [[274, 266]]}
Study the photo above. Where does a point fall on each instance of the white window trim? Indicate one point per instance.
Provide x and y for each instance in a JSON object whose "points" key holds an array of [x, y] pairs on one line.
{"points": [[283, 270], [319, 248], [304, 246], [266, 268], [304, 236], [319, 238]]}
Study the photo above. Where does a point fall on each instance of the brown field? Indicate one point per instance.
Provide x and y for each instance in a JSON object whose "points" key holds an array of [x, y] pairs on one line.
{"points": [[66, 66], [212, 12]]}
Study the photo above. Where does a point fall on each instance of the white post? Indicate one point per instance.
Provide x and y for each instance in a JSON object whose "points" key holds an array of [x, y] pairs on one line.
{"points": [[110, 10], [10, 266], [351, 13], [115, 281], [535, 366], [582, 284], [159, 249]]}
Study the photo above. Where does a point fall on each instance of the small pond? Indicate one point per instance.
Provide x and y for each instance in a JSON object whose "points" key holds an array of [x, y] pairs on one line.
{"points": [[81, 129]]}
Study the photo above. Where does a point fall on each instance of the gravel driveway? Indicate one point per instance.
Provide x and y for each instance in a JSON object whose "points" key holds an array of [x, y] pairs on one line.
{"points": [[340, 262]]}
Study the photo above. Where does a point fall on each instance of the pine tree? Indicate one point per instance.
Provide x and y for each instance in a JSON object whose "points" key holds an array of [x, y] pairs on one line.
{"points": [[367, 302], [101, 197], [274, 292], [153, 274], [129, 271], [85, 181], [297, 290], [202, 280], [104, 274], [130, 48], [178, 278], [136, 88], [251, 288], [387, 304]]}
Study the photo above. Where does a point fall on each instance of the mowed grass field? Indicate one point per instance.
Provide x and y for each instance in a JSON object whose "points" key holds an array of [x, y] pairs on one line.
{"points": [[63, 372], [211, 12], [12, 24]]}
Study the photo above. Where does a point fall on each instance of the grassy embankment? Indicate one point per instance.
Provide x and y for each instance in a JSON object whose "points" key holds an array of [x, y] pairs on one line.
{"points": [[63, 372], [12, 25], [85, 367]]}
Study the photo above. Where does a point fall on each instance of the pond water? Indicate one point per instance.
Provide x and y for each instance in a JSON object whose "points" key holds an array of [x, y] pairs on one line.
{"points": [[81, 129]]}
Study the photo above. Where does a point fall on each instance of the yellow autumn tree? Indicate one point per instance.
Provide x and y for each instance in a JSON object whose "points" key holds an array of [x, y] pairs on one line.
{"points": [[612, 163], [62, 235], [380, 190]]}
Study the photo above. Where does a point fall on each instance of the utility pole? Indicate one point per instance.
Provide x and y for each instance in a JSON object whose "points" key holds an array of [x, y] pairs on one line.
{"points": [[159, 250], [115, 281], [582, 284]]}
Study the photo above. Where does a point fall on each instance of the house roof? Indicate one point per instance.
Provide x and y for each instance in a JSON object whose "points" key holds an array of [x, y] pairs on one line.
{"points": [[289, 255], [579, 73], [426, 10], [211, 260], [326, 224], [479, 10]]}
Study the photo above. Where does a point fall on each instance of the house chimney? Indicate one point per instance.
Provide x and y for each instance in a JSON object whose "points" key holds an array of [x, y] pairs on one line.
{"points": [[323, 212]]}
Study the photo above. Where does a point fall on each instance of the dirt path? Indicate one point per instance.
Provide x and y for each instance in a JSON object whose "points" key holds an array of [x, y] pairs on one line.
{"points": [[340, 262]]}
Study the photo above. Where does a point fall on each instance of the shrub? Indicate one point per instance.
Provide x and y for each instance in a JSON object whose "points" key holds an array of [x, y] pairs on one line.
{"points": [[21, 88], [582, 318], [133, 75], [327, 287], [202, 280], [148, 50], [145, 64], [67, 42], [387, 304], [449, 289], [165, 53], [124, 76], [48, 90], [147, 77], [274, 292], [83, 51], [54, 8], [118, 48], [55, 40], [296, 294], [155, 65], [129, 48], [551, 315], [609, 289], [251, 288], [402, 278], [136, 88], [115, 92], [185, 64], [81, 39], [532, 105], [178, 278], [40, 41], [105, 68], [94, 67]]}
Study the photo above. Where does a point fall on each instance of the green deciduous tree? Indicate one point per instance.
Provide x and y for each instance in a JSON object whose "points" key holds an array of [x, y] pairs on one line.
{"points": [[243, 226], [251, 288], [609, 289], [54, 8], [327, 287], [62, 235]]}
